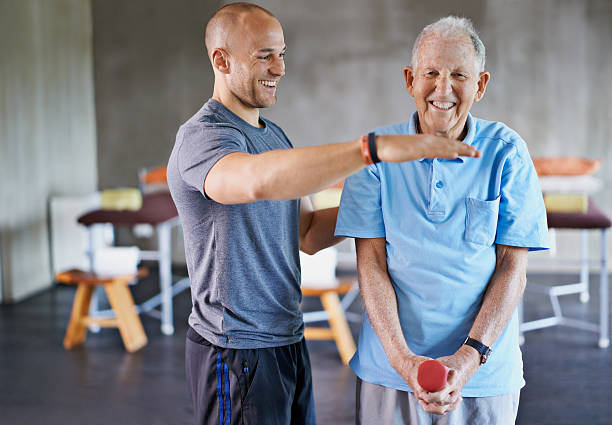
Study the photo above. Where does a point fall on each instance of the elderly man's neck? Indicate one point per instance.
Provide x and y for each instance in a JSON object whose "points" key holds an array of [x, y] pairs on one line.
{"points": [[450, 134]]}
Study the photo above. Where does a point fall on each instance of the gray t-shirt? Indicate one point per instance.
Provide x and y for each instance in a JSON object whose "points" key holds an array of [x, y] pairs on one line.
{"points": [[243, 259]]}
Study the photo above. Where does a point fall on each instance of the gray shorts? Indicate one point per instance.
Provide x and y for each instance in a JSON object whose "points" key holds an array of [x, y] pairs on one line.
{"points": [[380, 405]]}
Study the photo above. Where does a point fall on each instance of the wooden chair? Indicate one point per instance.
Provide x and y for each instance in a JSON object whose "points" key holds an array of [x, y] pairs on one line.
{"points": [[121, 301], [338, 329], [319, 280]]}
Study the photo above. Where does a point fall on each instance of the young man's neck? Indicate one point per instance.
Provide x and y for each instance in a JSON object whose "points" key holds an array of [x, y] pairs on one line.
{"points": [[250, 115]]}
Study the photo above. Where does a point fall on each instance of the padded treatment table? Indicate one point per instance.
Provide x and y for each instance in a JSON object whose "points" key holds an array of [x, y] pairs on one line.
{"points": [[592, 219], [159, 211]]}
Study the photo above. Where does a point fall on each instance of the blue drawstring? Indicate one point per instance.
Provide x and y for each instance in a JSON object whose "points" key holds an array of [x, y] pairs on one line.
{"points": [[228, 413], [219, 395]]}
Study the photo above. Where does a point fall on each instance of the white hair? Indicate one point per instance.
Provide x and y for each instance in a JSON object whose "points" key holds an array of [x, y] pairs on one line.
{"points": [[451, 26]]}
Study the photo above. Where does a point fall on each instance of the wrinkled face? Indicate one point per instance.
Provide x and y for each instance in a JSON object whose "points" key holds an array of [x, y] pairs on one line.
{"points": [[257, 62], [445, 84]]}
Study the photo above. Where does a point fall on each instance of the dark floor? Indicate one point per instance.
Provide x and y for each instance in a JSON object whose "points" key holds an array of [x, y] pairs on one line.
{"points": [[569, 379]]}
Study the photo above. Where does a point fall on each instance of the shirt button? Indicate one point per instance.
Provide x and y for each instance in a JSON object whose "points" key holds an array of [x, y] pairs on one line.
{"points": [[439, 184]]}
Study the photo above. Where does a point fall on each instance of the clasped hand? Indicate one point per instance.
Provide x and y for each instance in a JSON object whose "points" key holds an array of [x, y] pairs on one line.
{"points": [[461, 367]]}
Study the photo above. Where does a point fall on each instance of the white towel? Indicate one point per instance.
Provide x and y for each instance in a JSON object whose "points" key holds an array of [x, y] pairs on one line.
{"points": [[116, 261], [570, 184]]}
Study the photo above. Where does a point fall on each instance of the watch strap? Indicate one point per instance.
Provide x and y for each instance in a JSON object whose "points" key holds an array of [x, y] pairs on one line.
{"points": [[484, 350]]}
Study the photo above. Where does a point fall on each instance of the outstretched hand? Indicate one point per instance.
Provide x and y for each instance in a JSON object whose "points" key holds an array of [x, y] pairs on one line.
{"points": [[399, 148]]}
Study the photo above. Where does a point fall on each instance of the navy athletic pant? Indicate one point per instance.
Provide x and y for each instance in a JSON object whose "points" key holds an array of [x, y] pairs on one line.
{"points": [[267, 386]]}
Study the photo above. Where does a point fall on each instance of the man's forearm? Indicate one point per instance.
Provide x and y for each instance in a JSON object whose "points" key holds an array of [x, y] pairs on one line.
{"points": [[502, 295], [380, 299]]}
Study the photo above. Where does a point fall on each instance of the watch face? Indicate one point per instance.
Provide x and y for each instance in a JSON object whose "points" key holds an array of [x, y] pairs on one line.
{"points": [[485, 356]]}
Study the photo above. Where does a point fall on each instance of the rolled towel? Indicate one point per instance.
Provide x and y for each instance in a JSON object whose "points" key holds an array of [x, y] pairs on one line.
{"points": [[121, 199], [116, 261], [570, 184], [327, 198], [566, 202]]}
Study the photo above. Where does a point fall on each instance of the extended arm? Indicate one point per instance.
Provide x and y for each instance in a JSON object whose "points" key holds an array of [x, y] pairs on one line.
{"points": [[292, 173]]}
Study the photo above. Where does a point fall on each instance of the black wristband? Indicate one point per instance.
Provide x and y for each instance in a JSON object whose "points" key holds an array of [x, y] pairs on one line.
{"points": [[372, 146]]}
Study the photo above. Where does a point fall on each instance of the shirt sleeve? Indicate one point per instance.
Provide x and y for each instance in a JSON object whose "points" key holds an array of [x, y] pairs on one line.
{"points": [[522, 214], [360, 214], [200, 150]]}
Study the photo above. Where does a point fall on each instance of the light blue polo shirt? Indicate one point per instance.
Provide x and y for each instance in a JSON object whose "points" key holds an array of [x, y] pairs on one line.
{"points": [[441, 220]]}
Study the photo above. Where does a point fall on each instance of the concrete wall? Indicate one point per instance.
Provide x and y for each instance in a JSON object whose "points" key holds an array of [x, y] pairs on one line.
{"points": [[151, 72], [549, 61], [47, 129]]}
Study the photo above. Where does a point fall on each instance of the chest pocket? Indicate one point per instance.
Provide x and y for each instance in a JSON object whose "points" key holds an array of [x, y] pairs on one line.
{"points": [[481, 221]]}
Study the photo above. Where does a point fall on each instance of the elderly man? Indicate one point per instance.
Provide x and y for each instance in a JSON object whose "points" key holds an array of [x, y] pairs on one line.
{"points": [[442, 250], [236, 183]]}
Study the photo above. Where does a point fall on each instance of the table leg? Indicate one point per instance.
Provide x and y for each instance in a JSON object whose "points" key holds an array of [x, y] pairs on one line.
{"points": [[165, 277], [584, 266], [94, 305], [604, 338]]}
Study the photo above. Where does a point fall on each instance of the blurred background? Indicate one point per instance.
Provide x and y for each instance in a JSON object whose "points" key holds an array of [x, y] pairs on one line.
{"points": [[92, 91]]}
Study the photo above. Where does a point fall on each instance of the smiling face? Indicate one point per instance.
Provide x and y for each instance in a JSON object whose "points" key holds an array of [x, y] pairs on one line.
{"points": [[445, 84], [257, 61]]}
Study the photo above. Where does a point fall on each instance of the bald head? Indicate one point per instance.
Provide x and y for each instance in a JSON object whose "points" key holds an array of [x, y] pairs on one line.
{"points": [[221, 28]]}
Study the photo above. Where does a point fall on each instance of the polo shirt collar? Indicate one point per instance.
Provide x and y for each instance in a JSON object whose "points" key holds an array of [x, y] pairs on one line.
{"points": [[468, 140]]}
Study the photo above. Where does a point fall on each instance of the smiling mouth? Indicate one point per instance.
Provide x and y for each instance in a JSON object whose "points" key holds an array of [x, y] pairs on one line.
{"points": [[268, 83], [442, 106]]}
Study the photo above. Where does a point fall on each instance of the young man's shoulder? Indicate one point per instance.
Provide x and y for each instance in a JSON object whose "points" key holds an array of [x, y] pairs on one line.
{"points": [[208, 125]]}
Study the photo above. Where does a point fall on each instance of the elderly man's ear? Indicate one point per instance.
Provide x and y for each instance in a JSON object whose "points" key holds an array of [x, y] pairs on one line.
{"points": [[483, 80], [409, 77]]}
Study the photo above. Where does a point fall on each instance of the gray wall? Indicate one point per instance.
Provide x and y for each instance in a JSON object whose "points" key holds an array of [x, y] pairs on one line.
{"points": [[550, 62], [47, 129], [151, 73]]}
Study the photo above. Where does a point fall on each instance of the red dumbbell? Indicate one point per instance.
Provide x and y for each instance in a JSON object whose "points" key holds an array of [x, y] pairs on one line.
{"points": [[431, 375]]}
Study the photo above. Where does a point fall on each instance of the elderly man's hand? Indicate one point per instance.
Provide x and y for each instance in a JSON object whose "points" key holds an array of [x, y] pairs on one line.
{"points": [[408, 369], [399, 148], [461, 367]]}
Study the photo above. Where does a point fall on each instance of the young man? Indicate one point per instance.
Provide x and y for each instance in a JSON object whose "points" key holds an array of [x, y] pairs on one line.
{"points": [[236, 182]]}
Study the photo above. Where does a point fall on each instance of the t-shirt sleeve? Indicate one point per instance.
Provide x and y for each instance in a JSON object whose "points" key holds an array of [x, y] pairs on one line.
{"points": [[200, 150], [360, 214], [522, 214]]}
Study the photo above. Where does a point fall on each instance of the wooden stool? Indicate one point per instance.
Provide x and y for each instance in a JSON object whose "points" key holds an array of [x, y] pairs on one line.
{"points": [[120, 299], [338, 327]]}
